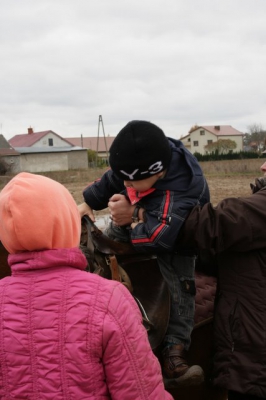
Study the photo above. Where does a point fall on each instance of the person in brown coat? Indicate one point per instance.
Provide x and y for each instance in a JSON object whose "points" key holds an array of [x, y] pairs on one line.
{"points": [[235, 232]]}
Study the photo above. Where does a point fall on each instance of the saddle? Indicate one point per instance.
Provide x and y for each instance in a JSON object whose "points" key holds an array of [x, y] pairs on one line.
{"points": [[4, 267], [140, 273]]}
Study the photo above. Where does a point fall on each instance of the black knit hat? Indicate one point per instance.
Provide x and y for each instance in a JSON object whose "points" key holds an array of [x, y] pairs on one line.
{"points": [[139, 151]]}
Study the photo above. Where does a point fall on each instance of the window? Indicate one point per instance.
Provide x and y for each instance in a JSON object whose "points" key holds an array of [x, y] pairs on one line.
{"points": [[209, 141], [188, 139], [202, 132], [195, 143], [50, 142]]}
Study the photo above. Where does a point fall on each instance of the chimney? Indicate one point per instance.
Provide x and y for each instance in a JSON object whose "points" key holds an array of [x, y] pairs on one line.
{"points": [[217, 127], [30, 131]]}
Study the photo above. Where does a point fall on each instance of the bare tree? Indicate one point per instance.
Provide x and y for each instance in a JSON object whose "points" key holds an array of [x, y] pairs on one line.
{"points": [[256, 137], [222, 146], [255, 128], [193, 128]]}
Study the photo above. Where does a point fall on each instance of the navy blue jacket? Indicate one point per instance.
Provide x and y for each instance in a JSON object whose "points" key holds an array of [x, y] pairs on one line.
{"points": [[183, 187]]}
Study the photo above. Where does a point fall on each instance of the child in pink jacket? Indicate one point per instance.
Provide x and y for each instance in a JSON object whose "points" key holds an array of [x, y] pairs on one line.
{"points": [[64, 333]]}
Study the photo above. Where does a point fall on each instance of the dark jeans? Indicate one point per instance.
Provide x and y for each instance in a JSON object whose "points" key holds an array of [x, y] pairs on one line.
{"points": [[239, 396], [178, 272]]}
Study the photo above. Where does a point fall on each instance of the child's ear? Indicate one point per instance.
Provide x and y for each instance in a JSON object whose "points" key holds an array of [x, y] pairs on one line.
{"points": [[161, 174]]}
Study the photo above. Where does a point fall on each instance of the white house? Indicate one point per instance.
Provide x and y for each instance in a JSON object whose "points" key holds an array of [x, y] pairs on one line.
{"points": [[47, 151], [201, 136], [39, 139]]}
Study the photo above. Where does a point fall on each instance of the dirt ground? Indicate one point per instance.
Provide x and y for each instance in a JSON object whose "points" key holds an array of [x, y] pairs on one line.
{"points": [[220, 187], [226, 178], [221, 184], [229, 186]]}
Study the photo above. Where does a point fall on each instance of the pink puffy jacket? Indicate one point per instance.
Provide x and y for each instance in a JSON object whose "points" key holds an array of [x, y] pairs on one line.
{"points": [[68, 334]]}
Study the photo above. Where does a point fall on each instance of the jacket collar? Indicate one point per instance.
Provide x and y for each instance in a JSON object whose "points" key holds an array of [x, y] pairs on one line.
{"points": [[46, 259]]}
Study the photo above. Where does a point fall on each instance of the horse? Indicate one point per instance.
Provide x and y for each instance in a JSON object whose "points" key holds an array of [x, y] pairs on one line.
{"points": [[4, 267], [140, 273]]}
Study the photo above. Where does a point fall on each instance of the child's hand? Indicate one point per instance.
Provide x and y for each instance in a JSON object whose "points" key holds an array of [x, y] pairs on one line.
{"points": [[120, 209], [84, 209], [134, 224]]}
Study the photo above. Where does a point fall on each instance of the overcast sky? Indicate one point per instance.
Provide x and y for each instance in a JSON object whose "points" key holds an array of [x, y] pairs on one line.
{"points": [[176, 63]]}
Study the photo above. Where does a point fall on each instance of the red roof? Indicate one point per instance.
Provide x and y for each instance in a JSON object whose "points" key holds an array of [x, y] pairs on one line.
{"points": [[220, 130], [28, 139], [91, 142]]}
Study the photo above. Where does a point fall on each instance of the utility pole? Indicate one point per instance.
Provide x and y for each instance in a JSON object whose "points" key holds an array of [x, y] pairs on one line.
{"points": [[100, 123]]}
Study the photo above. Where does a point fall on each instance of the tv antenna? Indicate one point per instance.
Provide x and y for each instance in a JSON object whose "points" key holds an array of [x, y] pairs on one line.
{"points": [[100, 123]]}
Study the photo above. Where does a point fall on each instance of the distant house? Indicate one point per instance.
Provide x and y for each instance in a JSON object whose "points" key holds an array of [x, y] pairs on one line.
{"points": [[9, 157], [100, 145], [47, 151], [39, 139], [201, 136]]}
